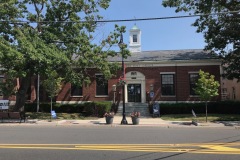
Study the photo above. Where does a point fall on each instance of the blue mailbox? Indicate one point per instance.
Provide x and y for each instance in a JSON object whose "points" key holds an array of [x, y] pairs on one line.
{"points": [[156, 109]]}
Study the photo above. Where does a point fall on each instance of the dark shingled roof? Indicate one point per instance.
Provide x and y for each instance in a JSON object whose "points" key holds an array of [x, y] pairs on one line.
{"points": [[167, 55]]}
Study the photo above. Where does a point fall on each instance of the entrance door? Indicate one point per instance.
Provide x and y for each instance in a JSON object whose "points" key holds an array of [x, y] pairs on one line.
{"points": [[134, 92]]}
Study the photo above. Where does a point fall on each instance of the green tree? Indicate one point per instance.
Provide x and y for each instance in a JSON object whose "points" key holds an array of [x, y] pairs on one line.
{"points": [[206, 87], [40, 36], [8, 86], [52, 84], [219, 21]]}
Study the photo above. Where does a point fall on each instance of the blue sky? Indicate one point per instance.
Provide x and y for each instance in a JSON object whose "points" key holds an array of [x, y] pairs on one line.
{"points": [[170, 34]]}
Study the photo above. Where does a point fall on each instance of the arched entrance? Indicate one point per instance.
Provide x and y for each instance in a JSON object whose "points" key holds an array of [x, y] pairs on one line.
{"points": [[135, 90]]}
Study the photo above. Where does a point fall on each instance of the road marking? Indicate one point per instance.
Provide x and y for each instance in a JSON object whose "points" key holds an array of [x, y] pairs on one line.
{"points": [[200, 148], [222, 148]]}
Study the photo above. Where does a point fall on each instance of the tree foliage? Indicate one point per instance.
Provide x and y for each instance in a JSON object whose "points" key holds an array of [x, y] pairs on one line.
{"points": [[52, 84], [219, 21], [41, 36], [206, 87]]}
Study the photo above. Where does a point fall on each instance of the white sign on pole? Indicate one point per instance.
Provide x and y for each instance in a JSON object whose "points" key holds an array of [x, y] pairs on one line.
{"points": [[4, 104]]}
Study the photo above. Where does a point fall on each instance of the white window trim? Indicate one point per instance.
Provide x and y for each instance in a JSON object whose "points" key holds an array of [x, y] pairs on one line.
{"points": [[193, 72], [167, 72], [101, 96], [76, 96], [197, 96]]}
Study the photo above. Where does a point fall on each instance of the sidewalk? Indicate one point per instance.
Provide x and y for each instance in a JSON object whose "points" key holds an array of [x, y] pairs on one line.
{"points": [[144, 121]]}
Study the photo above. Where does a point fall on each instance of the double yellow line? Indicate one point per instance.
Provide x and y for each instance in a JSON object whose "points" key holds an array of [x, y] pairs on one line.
{"points": [[203, 148]]}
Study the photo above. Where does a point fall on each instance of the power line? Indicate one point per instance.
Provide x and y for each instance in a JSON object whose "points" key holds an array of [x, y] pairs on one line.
{"points": [[123, 20], [162, 18]]}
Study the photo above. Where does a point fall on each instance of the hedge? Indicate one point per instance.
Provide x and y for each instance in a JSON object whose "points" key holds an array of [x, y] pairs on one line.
{"points": [[221, 107], [99, 108], [88, 109]]}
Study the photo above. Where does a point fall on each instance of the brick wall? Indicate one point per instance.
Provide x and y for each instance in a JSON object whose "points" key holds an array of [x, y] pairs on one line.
{"points": [[152, 76]]}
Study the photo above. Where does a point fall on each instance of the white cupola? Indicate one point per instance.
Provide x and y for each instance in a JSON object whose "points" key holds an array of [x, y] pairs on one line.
{"points": [[135, 39]]}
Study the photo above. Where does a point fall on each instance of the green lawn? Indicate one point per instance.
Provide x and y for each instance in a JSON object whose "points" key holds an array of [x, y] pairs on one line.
{"points": [[201, 117]]}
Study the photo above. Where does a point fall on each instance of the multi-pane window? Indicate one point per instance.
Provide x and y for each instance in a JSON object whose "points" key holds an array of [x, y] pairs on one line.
{"points": [[134, 38], [101, 85], [76, 90], [193, 77], [168, 88]]}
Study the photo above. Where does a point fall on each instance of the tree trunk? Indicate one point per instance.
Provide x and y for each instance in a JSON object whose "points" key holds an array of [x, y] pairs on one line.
{"points": [[21, 94], [206, 110]]}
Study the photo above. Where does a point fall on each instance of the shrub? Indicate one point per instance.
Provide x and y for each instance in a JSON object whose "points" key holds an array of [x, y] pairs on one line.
{"points": [[64, 108], [221, 107], [43, 107], [89, 109], [30, 107], [102, 108], [59, 108]]}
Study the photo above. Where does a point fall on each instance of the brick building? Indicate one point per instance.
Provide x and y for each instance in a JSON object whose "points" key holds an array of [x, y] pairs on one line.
{"points": [[163, 76], [160, 76], [169, 76]]}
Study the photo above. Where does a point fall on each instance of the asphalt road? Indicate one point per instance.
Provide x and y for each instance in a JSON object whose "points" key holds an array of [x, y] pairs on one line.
{"points": [[118, 143]]}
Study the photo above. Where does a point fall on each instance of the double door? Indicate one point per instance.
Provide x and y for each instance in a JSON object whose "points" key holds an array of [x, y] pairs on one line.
{"points": [[134, 92]]}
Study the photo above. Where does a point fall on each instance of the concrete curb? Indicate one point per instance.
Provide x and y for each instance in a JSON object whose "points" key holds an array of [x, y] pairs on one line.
{"points": [[144, 122]]}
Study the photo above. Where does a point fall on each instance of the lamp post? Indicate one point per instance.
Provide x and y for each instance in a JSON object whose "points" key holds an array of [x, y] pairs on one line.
{"points": [[114, 88], [121, 44], [151, 87], [151, 93]]}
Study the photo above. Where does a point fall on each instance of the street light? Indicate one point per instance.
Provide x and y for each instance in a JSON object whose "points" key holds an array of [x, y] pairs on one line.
{"points": [[121, 44], [151, 87], [114, 88]]}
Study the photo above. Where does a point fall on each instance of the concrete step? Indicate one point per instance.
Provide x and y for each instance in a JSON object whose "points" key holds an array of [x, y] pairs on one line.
{"points": [[134, 107]]}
